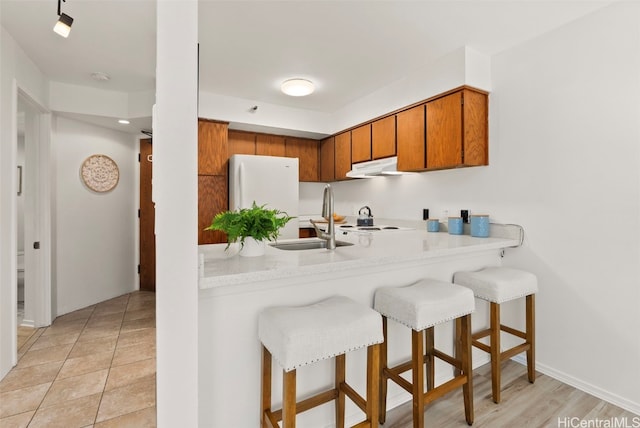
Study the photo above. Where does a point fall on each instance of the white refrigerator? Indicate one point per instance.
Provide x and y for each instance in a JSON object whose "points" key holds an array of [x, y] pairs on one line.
{"points": [[267, 180]]}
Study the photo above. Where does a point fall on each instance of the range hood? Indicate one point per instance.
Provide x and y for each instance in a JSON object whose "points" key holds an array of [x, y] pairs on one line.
{"points": [[370, 169]]}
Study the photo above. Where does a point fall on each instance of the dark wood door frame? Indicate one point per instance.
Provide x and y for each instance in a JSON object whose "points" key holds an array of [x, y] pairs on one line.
{"points": [[147, 268]]}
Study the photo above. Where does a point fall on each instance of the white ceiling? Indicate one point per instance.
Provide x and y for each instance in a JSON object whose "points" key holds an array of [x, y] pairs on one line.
{"points": [[348, 48]]}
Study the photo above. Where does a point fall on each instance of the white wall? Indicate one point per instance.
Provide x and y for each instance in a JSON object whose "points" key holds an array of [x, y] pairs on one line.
{"points": [[96, 233], [565, 164], [16, 70], [175, 193]]}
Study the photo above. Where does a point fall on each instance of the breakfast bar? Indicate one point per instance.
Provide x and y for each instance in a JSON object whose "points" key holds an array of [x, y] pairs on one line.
{"points": [[234, 289]]}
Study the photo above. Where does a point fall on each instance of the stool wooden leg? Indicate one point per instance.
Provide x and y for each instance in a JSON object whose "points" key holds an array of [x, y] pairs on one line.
{"points": [[467, 367], [457, 345], [289, 399], [495, 351], [373, 384], [417, 359], [531, 336], [383, 378], [340, 379], [266, 387], [431, 359]]}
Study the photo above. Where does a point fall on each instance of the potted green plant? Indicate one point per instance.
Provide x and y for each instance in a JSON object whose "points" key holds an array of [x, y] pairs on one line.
{"points": [[251, 226]]}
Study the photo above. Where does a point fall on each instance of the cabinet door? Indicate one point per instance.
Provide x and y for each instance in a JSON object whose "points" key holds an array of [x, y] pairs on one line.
{"points": [[343, 155], [410, 139], [476, 139], [444, 131], [242, 143], [270, 145], [306, 151], [212, 199], [361, 144], [212, 148], [328, 159], [383, 137]]}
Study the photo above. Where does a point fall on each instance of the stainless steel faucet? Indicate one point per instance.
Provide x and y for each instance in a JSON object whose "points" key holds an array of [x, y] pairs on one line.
{"points": [[327, 212]]}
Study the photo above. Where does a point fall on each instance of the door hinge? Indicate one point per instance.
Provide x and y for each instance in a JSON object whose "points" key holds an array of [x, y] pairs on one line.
{"points": [[138, 157], [138, 213], [138, 269]]}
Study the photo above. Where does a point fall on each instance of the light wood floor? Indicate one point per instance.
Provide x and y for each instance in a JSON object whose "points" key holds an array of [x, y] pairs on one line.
{"points": [[96, 367], [546, 403]]}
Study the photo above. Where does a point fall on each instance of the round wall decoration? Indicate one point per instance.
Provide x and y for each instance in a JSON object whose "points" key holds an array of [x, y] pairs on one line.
{"points": [[99, 173]]}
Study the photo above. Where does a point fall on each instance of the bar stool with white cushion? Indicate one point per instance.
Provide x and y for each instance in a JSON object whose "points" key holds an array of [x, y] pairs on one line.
{"points": [[498, 285], [421, 306], [302, 335]]}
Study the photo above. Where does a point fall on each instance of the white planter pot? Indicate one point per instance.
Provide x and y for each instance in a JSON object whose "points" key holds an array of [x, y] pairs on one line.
{"points": [[253, 248]]}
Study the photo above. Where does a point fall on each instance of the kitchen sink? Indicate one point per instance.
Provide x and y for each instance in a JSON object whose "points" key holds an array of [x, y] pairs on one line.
{"points": [[306, 245]]}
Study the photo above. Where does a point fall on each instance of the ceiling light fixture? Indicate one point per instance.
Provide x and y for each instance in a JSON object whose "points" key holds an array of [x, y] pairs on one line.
{"points": [[297, 87], [124, 121], [63, 26]]}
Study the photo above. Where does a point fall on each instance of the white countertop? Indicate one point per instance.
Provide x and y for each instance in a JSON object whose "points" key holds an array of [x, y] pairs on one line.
{"points": [[223, 268]]}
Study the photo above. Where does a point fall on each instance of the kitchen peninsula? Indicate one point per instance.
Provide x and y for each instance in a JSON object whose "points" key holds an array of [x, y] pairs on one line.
{"points": [[234, 289]]}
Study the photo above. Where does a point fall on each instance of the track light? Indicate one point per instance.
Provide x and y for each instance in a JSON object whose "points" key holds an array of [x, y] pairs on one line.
{"points": [[63, 26]]}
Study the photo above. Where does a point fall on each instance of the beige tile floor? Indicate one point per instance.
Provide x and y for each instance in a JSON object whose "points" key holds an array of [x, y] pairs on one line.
{"points": [[94, 367]]}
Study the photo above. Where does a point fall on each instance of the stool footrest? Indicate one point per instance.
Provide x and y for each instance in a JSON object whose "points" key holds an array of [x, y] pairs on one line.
{"points": [[269, 420], [394, 375], [447, 358], [310, 403], [357, 399], [514, 351], [480, 345], [513, 331], [480, 334], [445, 388]]}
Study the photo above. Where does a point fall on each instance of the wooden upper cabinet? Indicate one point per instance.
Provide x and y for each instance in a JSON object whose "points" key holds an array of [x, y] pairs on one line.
{"points": [[212, 147], [307, 152], [242, 143], [411, 139], [328, 159], [383, 137], [270, 145], [361, 144], [444, 131], [475, 112], [457, 130], [342, 155]]}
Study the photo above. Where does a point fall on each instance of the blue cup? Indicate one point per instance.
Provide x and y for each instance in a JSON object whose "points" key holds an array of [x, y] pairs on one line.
{"points": [[480, 226], [433, 225], [455, 225]]}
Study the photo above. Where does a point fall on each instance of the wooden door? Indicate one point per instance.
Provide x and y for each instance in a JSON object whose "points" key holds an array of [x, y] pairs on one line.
{"points": [[343, 155], [328, 159], [444, 132], [361, 143], [411, 142], [147, 219], [383, 137], [476, 119], [307, 151]]}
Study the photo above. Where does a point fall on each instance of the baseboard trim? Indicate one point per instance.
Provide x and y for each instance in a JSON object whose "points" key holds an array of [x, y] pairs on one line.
{"points": [[28, 323], [583, 386]]}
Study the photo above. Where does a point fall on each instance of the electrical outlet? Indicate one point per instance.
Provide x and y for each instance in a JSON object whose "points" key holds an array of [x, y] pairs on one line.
{"points": [[425, 213]]}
